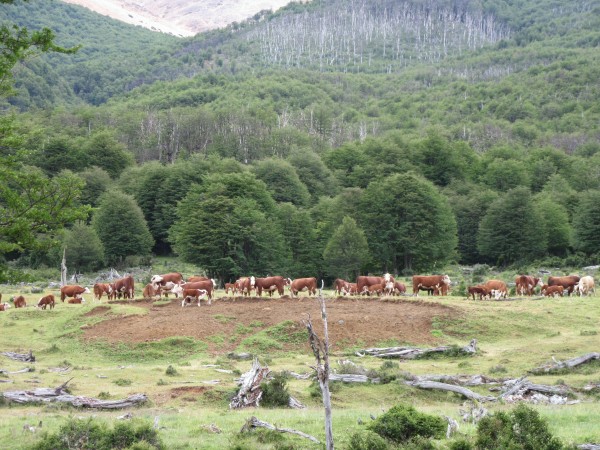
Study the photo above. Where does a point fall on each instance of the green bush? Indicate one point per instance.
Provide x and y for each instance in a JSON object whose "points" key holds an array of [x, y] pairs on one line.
{"points": [[275, 392], [367, 440], [403, 422], [88, 434], [520, 429], [171, 371], [460, 444]]}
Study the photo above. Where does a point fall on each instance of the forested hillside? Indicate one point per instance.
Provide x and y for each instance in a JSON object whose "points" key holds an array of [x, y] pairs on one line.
{"points": [[430, 132]]}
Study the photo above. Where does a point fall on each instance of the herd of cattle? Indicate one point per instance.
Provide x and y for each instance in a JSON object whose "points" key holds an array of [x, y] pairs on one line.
{"points": [[197, 288]]}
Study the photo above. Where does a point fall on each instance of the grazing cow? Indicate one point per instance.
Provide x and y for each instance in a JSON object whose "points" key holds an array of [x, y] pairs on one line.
{"points": [[72, 290], [123, 286], [366, 281], [376, 289], [497, 285], [303, 284], [399, 288], [100, 289], [525, 284], [193, 294], [48, 300], [149, 291], [245, 285], [266, 283], [436, 283], [479, 289], [350, 289], [20, 302], [4, 306], [568, 282], [338, 285], [553, 291], [230, 287], [191, 289], [168, 288], [160, 280], [76, 300], [586, 286]]}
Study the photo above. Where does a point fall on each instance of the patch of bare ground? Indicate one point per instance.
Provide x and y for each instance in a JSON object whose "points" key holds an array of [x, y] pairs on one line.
{"points": [[351, 321]]}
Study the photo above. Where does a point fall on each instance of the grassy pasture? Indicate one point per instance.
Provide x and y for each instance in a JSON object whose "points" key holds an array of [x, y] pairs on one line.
{"points": [[513, 337]]}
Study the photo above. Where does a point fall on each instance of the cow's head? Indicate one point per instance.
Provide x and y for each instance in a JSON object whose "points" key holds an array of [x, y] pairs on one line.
{"points": [[156, 280], [252, 281], [446, 280], [86, 291], [388, 277], [177, 290]]}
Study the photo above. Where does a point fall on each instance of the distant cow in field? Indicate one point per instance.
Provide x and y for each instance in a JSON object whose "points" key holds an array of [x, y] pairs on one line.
{"points": [[376, 289], [245, 285], [366, 281], [568, 282], [100, 289], [20, 302], [149, 291], [479, 290], [266, 283], [161, 280], [303, 284], [48, 300], [72, 290], [4, 306], [123, 287], [169, 288], [350, 289], [191, 289], [193, 294], [553, 291], [76, 301], [525, 284], [230, 287], [338, 285], [586, 286], [439, 283], [399, 288], [497, 285]]}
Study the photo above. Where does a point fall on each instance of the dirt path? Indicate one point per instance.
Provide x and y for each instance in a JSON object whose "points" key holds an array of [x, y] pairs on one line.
{"points": [[362, 321]]}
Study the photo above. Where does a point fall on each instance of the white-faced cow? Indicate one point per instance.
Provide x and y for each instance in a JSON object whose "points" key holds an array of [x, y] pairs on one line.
{"points": [[123, 287], [497, 285], [432, 283], [161, 280], [303, 284], [366, 281], [48, 300], [72, 290], [191, 289], [100, 289], [266, 283]]}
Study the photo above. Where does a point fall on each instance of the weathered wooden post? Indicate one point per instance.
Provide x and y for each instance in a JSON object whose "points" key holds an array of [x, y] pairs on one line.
{"points": [[63, 268]]}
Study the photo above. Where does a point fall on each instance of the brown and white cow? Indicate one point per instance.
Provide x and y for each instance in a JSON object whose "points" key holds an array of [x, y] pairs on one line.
{"points": [[76, 300], [268, 282], [100, 289], [497, 285], [190, 295], [376, 289], [187, 289], [230, 287], [568, 282], [525, 284], [433, 283], [72, 290], [586, 286], [350, 289], [553, 291], [20, 302], [362, 281], [399, 288], [123, 287], [149, 291], [303, 284], [160, 280], [245, 285], [480, 290], [338, 285], [4, 306], [48, 300]]}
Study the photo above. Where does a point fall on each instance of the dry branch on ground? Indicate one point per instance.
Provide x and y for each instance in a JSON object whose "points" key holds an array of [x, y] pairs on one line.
{"points": [[566, 365], [253, 422], [413, 352]]}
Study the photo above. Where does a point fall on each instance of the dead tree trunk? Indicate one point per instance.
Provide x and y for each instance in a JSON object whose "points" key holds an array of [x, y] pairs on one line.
{"points": [[63, 268], [253, 422], [568, 364], [320, 349]]}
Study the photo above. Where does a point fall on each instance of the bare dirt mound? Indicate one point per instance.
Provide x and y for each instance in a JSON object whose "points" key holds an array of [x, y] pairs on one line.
{"points": [[351, 321]]}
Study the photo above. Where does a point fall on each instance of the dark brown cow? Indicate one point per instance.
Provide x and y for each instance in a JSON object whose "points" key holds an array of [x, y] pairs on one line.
{"points": [[76, 300], [100, 289], [266, 283], [303, 284], [245, 285], [206, 285], [482, 291], [72, 290], [553, 291], [525, 284], [160, 280], [339, 284], [567, 282], [431, 283], [123, 287], [20, 302], [362, 281], [48, 300]]}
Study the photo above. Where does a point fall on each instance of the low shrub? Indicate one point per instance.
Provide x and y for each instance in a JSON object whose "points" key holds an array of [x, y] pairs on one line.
{"points": [[275, 392], [171, 371], [403, 422], [367, 440]]}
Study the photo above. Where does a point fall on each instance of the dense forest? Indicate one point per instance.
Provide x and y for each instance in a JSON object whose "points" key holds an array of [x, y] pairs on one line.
{"points": [[328, 138]]}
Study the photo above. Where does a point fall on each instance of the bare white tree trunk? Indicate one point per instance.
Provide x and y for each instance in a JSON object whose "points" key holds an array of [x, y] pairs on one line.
{"points": [[63, 268]]}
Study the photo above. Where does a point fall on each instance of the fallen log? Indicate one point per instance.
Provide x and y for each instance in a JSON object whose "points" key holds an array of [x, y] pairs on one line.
{"points": [[25, 370], [413, 352], [468, 393], [27, 357], [253, 422], [589, 446], [568, 364], [59, 394], [461, 380], [351, 378]]}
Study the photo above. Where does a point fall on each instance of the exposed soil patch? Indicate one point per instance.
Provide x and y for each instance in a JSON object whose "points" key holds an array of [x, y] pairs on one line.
{"points": [[97, 311], [351, 321]]}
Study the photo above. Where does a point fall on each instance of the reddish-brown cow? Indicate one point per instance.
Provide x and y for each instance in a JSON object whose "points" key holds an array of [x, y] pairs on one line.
{"points": [[567, 282], [123, 287], [72, 290], [20, 302], [497, 285], [399, 288], [303, 284], [431, 282], [266, 283], [245, 285], [100, 289], [553, 291], [48, 300], [525, 284], [76, 301], [206, 285], [160, 280], [480, 290], [4, 306], [339, 284], [230, 287], [149, 291], [362, 281]]}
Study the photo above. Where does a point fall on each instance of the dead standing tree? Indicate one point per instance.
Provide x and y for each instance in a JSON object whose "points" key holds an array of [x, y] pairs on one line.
{"points": [[320, 349]]}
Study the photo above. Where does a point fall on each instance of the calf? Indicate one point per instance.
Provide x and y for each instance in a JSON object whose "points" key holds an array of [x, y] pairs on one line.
{"points": [[553, 291], [76, 300], [4, 306], [48, 300], [376, 289], [349, 289], [149, 291], [20, 302], [480, 290], [193, 294], [230, 287]]}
